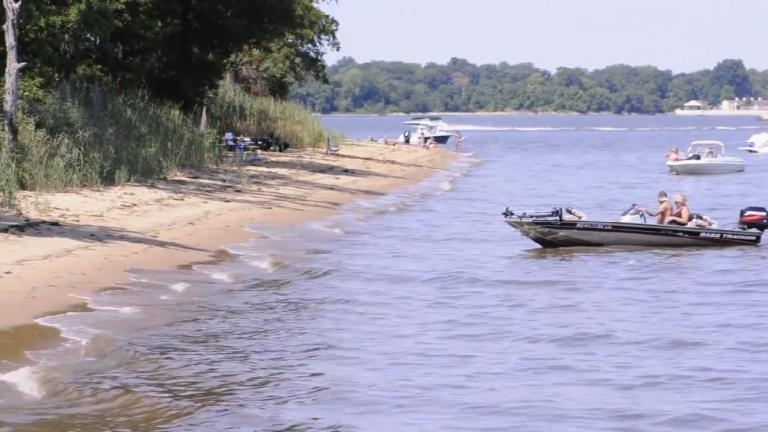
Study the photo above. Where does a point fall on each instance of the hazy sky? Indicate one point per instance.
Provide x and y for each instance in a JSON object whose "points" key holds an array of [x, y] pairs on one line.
{"points": [[681, 35]]}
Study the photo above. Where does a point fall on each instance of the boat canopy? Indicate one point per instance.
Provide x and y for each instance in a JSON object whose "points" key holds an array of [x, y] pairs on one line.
{"points": [[701, 148]]}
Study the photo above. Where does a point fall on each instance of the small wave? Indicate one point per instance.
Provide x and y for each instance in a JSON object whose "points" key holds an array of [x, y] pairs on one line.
{"points": [[222, 276], [269, 265], [179, 287], [643, 129], [446, 185], [726, 128], [680, 128], [607, 128], [79, 334], [328, 228], [128, 310], [541, 129], [26, 380], [477, 128]]}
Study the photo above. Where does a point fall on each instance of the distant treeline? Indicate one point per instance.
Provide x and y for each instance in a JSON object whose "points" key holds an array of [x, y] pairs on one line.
{"points": [[380, 87]]}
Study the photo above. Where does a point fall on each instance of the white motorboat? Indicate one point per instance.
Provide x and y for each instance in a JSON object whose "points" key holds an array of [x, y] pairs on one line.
{"points": [[706, 157], [567, 228], [426, 128], [757, 143]]}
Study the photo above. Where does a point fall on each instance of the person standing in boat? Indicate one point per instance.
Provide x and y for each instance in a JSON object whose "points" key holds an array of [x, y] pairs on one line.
{"points": [[665, 209], [682, 214]]}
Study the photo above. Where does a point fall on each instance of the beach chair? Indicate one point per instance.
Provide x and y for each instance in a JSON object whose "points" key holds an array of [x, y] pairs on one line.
{"points": [[331, 147]]}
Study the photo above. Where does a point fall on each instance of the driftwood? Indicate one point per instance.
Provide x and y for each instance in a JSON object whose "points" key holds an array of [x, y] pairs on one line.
{"points": [[12, 67]]}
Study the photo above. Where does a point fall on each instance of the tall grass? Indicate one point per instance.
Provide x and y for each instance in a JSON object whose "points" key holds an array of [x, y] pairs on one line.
{"points": [[73, 139], [81, 137], [234, 109]]}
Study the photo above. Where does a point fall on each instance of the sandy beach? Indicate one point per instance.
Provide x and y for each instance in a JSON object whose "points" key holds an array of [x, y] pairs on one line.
{"points": [[69, 244]]}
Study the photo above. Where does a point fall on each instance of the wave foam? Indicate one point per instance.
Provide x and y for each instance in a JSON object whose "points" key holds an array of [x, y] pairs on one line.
{"points": [[179, 287], [26, 380], [269, 265]]}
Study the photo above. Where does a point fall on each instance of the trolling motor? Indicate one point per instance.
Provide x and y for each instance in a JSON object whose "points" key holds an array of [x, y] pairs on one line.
{"points": [[754, 218]]}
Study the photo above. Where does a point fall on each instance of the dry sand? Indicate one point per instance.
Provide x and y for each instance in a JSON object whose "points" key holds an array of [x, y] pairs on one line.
{"points": [[76, 243]]}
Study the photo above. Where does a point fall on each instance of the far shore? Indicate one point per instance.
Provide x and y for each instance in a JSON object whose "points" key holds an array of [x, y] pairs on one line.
{"points": [[725, 113], [70, 244]]}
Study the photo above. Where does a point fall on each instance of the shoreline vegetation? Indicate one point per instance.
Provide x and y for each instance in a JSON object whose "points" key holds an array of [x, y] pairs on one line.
{"points": [[381, 87], [86, 137]]}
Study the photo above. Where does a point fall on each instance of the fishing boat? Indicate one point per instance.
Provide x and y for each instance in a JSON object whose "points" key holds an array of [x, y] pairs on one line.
{"points": [[706, 157], [426, 128], [757, 143], [568, 227]]}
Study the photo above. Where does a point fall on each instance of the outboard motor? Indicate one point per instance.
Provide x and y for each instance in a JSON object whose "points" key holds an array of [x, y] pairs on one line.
{"points": [[754, 218], [407, 137]]}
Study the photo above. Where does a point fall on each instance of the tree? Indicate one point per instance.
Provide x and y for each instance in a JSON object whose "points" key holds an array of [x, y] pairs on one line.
{"points": [[10, 150], [12, 67], [273, 68], [178, 49], [732, 73]]}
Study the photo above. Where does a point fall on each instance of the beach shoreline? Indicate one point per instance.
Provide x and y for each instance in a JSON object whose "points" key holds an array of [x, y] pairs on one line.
{"points": [[71, 245]]}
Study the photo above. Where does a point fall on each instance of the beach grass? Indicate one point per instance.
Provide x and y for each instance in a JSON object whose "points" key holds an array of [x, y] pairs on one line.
{"points": [[233, 109], [80, 136]]}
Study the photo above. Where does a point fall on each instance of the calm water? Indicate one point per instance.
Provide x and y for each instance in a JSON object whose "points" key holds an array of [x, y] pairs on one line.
{"points": [[423, 311]]}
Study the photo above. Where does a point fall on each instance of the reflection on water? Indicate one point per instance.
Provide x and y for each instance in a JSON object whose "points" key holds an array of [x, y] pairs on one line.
{"points": [[424, 311]]}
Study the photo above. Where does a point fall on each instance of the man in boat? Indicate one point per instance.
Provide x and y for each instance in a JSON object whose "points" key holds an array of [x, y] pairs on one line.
{"points": [[673, 155], [665, 209]]}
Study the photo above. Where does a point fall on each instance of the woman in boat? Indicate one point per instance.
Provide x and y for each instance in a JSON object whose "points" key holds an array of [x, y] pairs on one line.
{"points": [[682, 214]]}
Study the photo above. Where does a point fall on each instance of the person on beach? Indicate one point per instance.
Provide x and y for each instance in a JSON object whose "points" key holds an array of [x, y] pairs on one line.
{"points": [[430, 143], [673, 155], [665, 209], [682, 214], [459, 139]]}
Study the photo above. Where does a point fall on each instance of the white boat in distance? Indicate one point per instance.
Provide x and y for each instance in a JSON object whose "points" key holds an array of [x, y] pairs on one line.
{"points": [[426, 128], [706, 157], [757, 143]]}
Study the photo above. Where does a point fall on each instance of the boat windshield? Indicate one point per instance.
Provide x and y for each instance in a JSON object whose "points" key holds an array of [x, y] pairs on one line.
{"points": [[706, 149]]}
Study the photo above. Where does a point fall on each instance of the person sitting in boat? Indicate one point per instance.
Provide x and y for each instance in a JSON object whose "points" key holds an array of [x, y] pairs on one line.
{"points": [[682, 214], [673, 155], [665, 209], [710, 153]]}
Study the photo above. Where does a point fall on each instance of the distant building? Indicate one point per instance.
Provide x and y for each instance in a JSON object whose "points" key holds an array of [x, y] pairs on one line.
{"points": [[729, 105], [693, 105]]}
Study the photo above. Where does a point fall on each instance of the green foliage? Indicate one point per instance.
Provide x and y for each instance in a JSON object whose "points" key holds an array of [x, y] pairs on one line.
{"points": [[461, 86], [176, 49], [271, 69], [233, 109], [77, 137]]}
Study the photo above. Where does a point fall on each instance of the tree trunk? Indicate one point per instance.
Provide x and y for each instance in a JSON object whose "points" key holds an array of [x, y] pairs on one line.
{"points": [[9, 149], [12, 67]]}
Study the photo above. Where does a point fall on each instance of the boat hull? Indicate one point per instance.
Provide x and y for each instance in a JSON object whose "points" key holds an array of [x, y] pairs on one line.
{"points": [[756, 150], [556, 233], [704, 167]]}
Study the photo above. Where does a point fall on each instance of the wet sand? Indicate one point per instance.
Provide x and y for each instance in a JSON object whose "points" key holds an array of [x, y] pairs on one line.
{"points": [[70, 244]]}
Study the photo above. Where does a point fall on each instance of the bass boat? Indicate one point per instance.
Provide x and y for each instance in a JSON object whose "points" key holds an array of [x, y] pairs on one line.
{"points": [[568, 227]]}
